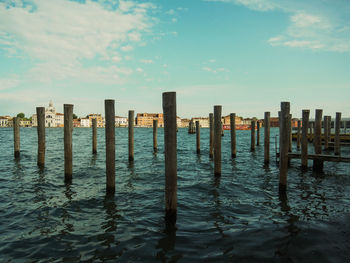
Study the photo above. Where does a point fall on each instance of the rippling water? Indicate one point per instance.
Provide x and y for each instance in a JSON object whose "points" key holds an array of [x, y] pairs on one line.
{"points": [[238, 217]]}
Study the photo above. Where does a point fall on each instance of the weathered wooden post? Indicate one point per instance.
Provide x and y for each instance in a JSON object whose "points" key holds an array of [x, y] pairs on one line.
{"points": [[267, 137], [304, 139], [318, 164], [325, 132], [94, 136], [110, 146], [198, 138], [233, 134], [16, 136], [68, 130], [329, 128], [155, 128], [252, 137], [311, 133], [337, 134], [217, 140], [298, 135], [40, 114], [211, 135], [290, 134], [284, 147], [258, 133], [131, 135], [170, 148]]}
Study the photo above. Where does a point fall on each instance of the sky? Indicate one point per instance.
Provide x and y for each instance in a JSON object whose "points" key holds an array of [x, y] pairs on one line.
{"points": [[246, 55]]}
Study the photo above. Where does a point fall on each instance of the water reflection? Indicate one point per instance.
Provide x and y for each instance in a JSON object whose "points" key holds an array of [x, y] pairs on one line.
{"points": [[93, 160], [109, 225], [167, 244]]}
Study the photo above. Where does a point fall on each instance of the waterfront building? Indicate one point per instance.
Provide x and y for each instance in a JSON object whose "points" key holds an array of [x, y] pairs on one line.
{"points": [[146, 119], [76, 123], [185, 123], [4, 121], [203, 121], [121, 121], [52, 118], [178, 122], [226, 120], [25, 123], [85, 122], [59, 119], [99, 119]]}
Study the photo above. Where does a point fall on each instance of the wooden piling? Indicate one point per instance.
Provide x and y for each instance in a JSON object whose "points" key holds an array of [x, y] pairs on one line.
{"points": [[233, 134], [155, 128], [94, 136], [329, 128], [68, 130], [290, 134], [110, 145], [304, 139], [131, 135], [267, 137], [217, 140], [170, 148], [337, 134], [257, 133], [284, 130], [16, 136], [40, 113], [310, 131], [252, 136], [325, 132], [318, 164], [198, 138], [211, 135], [298, 135]]}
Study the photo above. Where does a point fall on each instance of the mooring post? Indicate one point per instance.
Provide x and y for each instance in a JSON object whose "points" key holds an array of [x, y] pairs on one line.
{"points": [[211, 135], [311, 125], [258, 133], [170, 148], [217, 140], [131, 135], [284, 147], [318, 164], [252, 136], [94, 136], [155, 128], [337, 134], [267, 137], [290, 134], [16, 136], [110, 145], [198, 138], [68, 130], [233, 134], [325, 132], [329, 128], [40, 114], [298, 135], [304, 139]]}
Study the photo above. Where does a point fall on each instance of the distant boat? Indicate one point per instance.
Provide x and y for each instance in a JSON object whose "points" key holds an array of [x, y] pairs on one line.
{"points": [[242, 127]]}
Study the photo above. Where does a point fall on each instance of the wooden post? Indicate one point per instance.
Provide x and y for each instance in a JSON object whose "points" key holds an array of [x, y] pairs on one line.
{"points": [[198, 138], [267, 138], [211, 135], [94, 136], [233, 134], [170, 148], [311, 133], [337, 134], [68, 130], [298, 135], [304, 139], [325, 132], [290, 134], [16, 136], [329, 127], [217, 140], [252, 137], [155, 128], [131, 135], [284, 130], [318, 164], [110, 145], [40, 114], [257, 133]]}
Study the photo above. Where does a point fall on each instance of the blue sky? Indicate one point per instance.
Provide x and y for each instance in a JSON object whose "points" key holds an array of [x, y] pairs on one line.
{"points": [[247, 55]]}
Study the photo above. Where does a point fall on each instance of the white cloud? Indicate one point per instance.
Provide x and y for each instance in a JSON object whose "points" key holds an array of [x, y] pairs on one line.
{"points": [[9, 83], [259, 5], [304, 20], [215, 70], [66, 34], [147, 61]]}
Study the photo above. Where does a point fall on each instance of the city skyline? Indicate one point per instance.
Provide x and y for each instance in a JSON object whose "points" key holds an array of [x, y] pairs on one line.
{"points": [[246, 55]]}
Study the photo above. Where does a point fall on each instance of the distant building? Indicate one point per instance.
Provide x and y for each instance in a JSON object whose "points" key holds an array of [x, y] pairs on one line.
{"points": [[203, 121], [25, 123], [76, 123], [59, 120], [226, 120], [185, 123], [146, 119], [99, 119], [52, 118], [85, 122], [4, 121], [121, 121]]}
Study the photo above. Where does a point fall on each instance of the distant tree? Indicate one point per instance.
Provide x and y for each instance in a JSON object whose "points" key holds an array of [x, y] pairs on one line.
{"points": [[75, 116], [20, 115]]}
